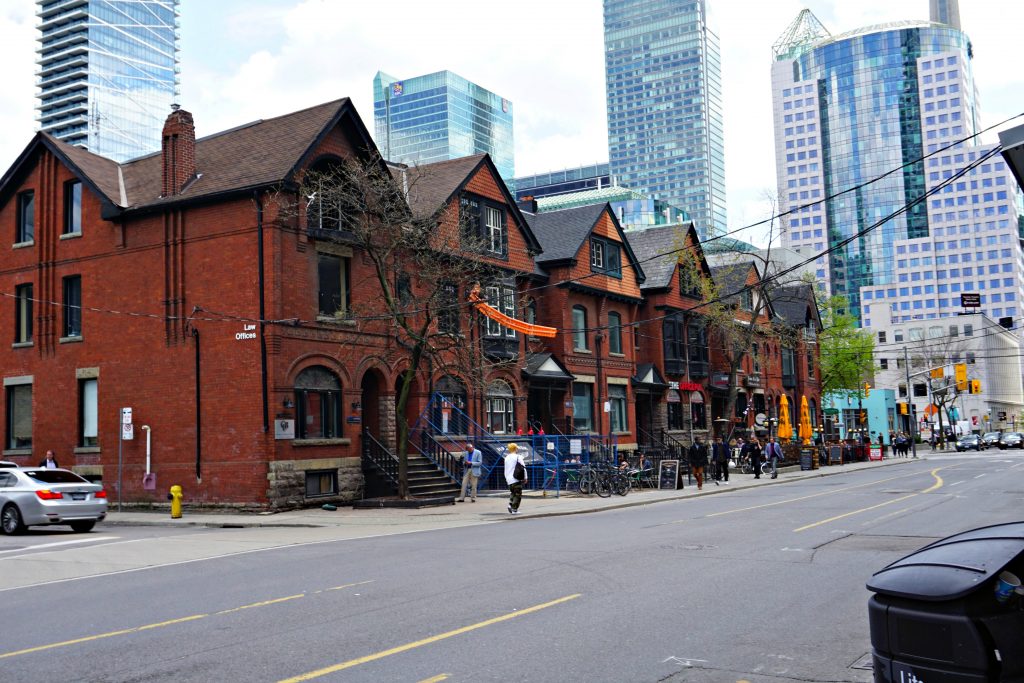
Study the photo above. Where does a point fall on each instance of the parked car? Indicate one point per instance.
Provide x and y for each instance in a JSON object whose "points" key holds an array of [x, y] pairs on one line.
{"points": [[1011, 440], [970, 442], [31, 496], [8, 463], [990, 440]]}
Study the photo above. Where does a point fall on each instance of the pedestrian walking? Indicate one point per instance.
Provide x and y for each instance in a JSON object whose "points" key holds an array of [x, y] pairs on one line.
{"points": [[515, 477], [471, 477], [752, 449], [698, 458], [773, 453], [50, 461], [720, 456]]}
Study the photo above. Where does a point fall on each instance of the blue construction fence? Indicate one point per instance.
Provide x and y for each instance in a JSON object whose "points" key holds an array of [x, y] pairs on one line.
{"points": [[552, 461]]}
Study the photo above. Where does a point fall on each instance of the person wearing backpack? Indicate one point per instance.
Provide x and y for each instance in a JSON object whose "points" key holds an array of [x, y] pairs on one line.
{"points": [[515, 477]]}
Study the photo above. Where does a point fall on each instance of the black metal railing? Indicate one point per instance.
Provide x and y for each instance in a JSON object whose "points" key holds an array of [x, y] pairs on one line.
{"points": [[377, 454], [441, 457]]}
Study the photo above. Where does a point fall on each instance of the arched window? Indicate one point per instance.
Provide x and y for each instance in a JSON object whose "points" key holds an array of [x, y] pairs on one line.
{"points": [[453, 402], [579, 328], [317, 404], [500, 408], [614, 333]]}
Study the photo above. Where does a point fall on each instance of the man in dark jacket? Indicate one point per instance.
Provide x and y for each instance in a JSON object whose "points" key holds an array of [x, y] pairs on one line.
{"points": [[698, 458], [720, 458], [752, 449]]}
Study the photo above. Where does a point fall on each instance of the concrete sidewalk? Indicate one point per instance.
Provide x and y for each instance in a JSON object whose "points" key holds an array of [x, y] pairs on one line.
{"points": [[490, 507]]}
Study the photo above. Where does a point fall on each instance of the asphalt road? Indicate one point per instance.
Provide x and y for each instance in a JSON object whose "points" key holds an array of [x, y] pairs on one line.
{"points": [[761, 584]]}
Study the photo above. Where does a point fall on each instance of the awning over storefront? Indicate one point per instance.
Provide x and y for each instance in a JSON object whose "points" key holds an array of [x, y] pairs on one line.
{"points": [[649, 379], [544, 369]]}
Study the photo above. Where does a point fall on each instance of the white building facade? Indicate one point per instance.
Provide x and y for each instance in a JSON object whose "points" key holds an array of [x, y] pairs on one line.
{"points": [[990, 351]]}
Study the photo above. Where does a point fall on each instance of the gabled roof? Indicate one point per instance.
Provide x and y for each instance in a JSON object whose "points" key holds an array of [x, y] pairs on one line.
{"points": [[563, 233], [791, 303], [658, 251], [731, 279], [258, 154], [432, 185]]}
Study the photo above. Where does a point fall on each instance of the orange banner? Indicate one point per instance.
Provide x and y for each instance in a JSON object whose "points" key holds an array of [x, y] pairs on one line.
{"points": [[508, 321]]}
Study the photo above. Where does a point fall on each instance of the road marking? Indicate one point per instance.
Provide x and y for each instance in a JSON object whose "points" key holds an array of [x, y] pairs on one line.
{"points": [[980, 475], [933, 487], [436, 679], [684, 661], [260, 604], [349, 585], [93, 539], [957, 483], [109, 634], [425, 641], [813, 495], [161, 624]]}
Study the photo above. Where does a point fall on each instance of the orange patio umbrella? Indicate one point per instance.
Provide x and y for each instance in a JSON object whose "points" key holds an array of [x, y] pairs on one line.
{"points": [[785, 425], [805, 421]]}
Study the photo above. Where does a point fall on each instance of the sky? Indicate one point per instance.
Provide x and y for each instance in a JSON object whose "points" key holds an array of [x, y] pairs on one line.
{"points": [[243, 60]]}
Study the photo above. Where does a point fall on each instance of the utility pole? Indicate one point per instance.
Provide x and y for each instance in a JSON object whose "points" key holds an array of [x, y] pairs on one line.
{"points": [[910, 402]]}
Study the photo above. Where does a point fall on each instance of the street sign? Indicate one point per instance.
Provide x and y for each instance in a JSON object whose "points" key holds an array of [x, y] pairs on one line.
{"points": [[831, 411], [127, 432], [126, 416], [970, 300]]}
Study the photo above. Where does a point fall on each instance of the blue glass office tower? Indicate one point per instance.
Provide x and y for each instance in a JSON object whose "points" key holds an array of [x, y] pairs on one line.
{"points": [[441, 116], [108, 73], [664, 85], [852, 108]]}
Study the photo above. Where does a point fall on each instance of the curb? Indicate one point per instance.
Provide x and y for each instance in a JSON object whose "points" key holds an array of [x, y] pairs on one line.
{"points": [[244, 523]]}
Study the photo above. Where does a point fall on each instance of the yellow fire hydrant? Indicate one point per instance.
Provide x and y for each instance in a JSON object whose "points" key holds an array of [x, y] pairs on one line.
{"points": [[175, 497]]}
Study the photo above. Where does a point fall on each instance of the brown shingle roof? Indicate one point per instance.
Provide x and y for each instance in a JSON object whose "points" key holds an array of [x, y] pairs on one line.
{"points": [[431, 185]]}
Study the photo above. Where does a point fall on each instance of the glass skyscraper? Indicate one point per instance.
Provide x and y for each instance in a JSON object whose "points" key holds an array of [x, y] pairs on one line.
{"points": [[664, 86], [873, 102], [441, 116], [108, 73]]}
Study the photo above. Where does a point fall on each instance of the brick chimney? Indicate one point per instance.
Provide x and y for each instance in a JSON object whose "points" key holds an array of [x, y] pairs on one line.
{"points": [[178, 151]]}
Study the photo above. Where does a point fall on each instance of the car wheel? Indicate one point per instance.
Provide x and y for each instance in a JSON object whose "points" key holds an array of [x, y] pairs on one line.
{"points": [[10, 520], [84, 526]]}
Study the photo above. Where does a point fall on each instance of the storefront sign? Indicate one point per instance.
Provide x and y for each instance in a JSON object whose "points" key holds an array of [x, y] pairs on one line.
{"points": [[284, 429], [690, 386], [720, 379], [248, 332]]}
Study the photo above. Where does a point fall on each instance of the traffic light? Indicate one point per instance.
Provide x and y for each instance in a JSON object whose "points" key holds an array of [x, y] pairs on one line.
{"points": [[863, 416], [975, 387], [903, 409], [960, 370], [867, 389]]}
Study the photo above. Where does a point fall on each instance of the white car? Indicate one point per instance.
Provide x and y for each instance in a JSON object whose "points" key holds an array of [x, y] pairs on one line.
{"points": [[35, 496]]}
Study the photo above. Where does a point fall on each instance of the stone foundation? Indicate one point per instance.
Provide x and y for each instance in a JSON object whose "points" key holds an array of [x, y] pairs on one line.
{"points": [[286, 482]]}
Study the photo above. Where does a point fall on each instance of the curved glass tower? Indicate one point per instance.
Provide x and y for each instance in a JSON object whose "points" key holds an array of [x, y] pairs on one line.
{"points": [[108, 73], [849, 109]]}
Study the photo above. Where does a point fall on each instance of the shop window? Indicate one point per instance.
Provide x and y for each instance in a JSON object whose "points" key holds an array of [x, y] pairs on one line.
{"points": [[617, 399], [582, 407]]}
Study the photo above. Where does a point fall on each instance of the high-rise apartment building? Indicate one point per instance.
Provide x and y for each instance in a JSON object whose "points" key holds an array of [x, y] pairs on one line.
{"points": [[664, 86], [876, 118], [108, 73], [441, 116]]}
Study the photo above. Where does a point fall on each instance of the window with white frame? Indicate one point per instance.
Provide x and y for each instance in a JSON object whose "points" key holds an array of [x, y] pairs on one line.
{"points": [[500, 408], [88, 410], [617, 401]]}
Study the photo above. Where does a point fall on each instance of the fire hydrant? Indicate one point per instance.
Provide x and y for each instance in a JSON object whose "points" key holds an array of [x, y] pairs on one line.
{"points": [[175, 497]]}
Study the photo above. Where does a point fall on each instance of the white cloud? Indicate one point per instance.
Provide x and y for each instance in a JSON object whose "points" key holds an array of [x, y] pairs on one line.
{"points": [[249, 59]]}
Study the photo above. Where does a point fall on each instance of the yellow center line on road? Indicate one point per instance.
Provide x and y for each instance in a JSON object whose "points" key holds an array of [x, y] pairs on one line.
{"points": [[109, 634], [937, 485], [436, 679], [816, 495], [161, 624], [425, 641], [261, 604], [349, 585]]}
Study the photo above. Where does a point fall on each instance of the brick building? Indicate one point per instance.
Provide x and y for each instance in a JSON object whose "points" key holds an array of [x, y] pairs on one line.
{"points": [[593, 297]]}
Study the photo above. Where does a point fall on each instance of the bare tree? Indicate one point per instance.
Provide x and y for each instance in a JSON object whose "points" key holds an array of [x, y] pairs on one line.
{"points": [[420, 265]]}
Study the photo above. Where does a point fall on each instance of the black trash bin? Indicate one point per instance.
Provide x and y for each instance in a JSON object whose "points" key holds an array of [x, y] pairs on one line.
{"points": [[935, 618]]}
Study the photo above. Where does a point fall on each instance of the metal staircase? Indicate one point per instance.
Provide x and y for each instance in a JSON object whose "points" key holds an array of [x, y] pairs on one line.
{"points": [[426, 479]]}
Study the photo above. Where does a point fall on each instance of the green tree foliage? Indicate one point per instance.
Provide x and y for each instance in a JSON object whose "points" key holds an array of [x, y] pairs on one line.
{"points": [[846, 350]]}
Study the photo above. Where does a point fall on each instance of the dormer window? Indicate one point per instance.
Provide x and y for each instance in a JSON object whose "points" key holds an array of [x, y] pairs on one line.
{"points": [[605, 257], [484, 226]]}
